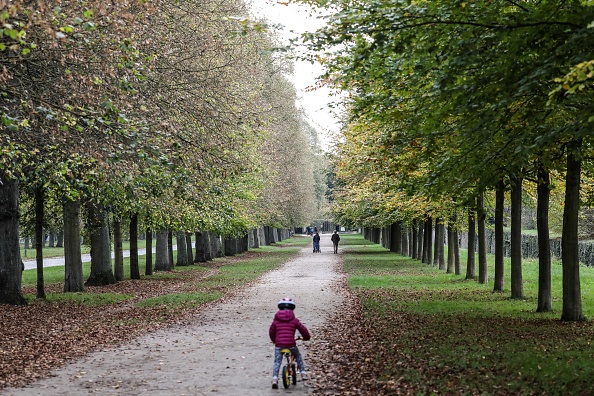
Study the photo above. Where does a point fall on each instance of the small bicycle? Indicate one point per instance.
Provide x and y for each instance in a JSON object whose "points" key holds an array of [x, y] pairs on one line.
{"points": [[289, 370]]}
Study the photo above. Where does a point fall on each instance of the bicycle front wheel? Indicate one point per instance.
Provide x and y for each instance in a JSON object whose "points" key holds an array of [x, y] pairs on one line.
{"points": [[294, 374], [286, 379]]}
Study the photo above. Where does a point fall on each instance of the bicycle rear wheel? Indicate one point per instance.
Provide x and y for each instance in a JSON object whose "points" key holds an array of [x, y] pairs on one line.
{"points": [[286, 379]]}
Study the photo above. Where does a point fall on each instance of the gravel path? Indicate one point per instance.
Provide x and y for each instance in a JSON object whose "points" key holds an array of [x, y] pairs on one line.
{"points": [[226, 352]]}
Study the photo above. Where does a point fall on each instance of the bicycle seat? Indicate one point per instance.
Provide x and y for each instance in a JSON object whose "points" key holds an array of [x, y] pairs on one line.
{"points": [[285, 350]]}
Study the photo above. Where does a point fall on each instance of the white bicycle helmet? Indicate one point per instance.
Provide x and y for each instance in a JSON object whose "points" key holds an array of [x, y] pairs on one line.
{"points": [[286, 303]]}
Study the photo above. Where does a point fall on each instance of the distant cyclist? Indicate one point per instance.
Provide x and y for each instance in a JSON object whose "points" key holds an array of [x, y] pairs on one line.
{"points": [[282, 334]]}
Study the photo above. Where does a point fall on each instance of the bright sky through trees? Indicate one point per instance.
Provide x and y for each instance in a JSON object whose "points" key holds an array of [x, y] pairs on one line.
{"points": [[292, 20]]}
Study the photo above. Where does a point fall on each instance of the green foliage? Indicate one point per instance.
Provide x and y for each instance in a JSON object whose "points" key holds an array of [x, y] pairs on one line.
{"points": [[431, 121]]}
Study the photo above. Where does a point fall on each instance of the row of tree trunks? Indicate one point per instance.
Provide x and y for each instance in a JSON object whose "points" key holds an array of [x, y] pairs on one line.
{"points": [[54, 239], [208, 246], [414, 240]]}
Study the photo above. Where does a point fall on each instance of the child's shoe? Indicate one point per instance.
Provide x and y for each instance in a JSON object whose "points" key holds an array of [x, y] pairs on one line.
{"points": [[304, 376], [274, 384]]}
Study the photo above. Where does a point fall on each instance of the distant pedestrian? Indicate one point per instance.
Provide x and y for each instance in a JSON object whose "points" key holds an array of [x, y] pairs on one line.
{"points": [[335, 239], [316, 243]]}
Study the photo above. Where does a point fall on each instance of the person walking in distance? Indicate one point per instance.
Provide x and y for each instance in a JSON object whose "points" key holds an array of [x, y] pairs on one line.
{"points": [[316, 243], [335, 238]]}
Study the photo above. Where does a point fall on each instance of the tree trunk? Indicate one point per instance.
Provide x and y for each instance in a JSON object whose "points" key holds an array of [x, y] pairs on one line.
{"points": [[256, 244], [170, 264], [396, 237], [436, 244], [516, 282], [499, 247], [52, 238], [545, 303], [182, 253], [470, 261], [11, 266], [216, 245], [229, 246], [101, 271], [209, 252], [200, 243], [429, 239], [457, 265], [162, 255], [189, 248], [415, 240], [405, 241], [148, 270], [60, 239], [482, 235], [118, 262], [39, 214], [411, 242], [451, 262], [134, 266], [572, 297], [420, 238], [441, 246], [73, 268]]}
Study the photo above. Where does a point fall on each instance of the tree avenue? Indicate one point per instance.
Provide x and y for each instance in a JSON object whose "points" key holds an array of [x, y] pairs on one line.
{"points": [[161, 118], [448, 101]]}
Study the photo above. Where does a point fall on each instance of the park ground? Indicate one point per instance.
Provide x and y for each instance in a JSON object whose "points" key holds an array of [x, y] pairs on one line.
{"points": [[381, 324]]}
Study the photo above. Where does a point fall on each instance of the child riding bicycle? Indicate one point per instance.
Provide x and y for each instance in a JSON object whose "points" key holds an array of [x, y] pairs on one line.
{"points": [[282, 334]]}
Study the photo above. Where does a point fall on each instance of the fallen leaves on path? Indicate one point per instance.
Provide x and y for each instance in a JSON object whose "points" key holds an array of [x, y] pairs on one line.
{"points": [[44, 335]]}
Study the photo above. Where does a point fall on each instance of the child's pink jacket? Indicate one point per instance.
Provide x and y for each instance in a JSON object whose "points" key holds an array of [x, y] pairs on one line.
{"points": [[283, 327]]}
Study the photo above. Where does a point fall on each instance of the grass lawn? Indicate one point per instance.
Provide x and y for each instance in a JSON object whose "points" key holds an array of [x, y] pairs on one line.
{"points": [[48, 252], [457, 336], [230, 273]]}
